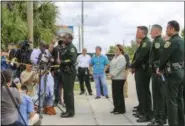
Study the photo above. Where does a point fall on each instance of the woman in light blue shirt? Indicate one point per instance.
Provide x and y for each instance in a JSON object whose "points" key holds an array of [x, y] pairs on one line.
{"points": [[99, 63]]}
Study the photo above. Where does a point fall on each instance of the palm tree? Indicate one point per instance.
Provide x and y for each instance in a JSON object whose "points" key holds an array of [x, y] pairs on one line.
{"points": [[14, 21]]}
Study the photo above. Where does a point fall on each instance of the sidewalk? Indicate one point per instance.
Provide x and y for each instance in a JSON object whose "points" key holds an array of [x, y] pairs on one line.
{"points": [[90, 111]]}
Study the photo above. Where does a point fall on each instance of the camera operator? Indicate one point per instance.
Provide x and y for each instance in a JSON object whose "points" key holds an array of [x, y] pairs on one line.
{"points": [[23, 55], [67, 65], [57, 73], [9, 113]]}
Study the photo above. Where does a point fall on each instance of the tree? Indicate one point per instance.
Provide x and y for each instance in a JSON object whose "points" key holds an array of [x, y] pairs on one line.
{"points": [[130, 50], [111, 49], [14, 21], [44, 21]]}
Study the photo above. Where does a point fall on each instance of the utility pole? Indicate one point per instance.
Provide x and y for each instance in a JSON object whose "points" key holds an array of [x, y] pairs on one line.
{"points": [[123, 42], [82, 24], [79, 28], [30, 20]]}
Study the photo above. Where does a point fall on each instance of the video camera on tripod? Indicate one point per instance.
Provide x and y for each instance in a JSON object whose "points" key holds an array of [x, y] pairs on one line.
{"points": [[23, 55], [45, 60]]}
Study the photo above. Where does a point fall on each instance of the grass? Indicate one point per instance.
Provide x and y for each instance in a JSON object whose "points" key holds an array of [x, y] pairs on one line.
{"points": [[77, 86]]}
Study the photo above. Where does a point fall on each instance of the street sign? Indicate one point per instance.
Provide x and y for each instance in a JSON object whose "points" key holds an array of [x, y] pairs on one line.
{"points": [[62, 29]]}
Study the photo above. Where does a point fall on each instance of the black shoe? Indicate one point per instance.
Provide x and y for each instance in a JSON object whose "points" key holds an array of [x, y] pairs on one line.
{"points": [[152, 123], [144, 119], [81, 93], [97, 97], [137, 115], [116, 113], [67, 115], [135, 110], [90, 94], [63, 113], [136, 107], [107, 96], [112, 111]]}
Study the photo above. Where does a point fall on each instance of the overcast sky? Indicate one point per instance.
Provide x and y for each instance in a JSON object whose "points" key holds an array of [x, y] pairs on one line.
{"points": [[109, 23]]}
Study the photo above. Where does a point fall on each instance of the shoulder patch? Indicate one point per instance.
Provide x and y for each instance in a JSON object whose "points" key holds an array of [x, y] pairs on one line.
{"points": [[72, 50], [167, 44], [144, 45], [157, 45]]}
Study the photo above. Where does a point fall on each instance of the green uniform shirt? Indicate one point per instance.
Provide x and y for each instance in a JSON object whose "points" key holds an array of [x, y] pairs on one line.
{"points": [[173, 51], [142, 53], [157, 47], [69, 55]]}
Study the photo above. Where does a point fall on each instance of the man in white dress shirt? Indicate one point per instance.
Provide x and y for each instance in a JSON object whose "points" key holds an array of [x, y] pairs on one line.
{"points": [[36, 53], [83, 61]]}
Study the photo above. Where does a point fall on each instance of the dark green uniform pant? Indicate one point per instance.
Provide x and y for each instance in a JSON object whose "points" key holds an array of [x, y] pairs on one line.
{"points": [[184, 97], [142, 87], [175, 105], [158, 92], [184, 93], [68, 85]]}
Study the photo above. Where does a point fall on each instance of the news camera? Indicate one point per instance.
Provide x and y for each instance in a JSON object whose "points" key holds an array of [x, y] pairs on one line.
{"points": [[45, 60]]}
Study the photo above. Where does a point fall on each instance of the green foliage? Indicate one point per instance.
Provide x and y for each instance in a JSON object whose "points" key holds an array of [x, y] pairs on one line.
{"points": [[128, 49], [111, 49], [13, 27], [14, 21], [44, 21]]}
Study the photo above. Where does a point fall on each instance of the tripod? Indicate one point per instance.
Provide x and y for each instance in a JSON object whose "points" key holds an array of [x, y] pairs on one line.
{"points": [[44, 95]]}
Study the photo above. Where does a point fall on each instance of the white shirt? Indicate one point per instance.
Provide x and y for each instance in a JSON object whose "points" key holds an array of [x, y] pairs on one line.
{"points": [[83, 61], [35, 55]]}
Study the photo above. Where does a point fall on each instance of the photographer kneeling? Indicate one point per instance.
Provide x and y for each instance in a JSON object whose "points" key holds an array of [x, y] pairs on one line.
{"points": [[9, 113]]}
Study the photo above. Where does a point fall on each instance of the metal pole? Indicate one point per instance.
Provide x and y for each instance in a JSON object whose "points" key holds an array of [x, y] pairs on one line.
{"points": [[82, 24], [79, 27], [30, 20]]}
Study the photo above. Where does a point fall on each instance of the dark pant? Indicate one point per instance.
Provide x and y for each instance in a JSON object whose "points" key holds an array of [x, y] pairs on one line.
{"points": [[83, 75], [142, 78], [175, 104], [159, 103], [184, 97], [17, 123], [118, 96], [68, 85], [58, 86]]}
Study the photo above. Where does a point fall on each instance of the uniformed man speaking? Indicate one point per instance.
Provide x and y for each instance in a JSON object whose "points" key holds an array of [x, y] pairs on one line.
{"points": [[171, 62], [67, 65]]}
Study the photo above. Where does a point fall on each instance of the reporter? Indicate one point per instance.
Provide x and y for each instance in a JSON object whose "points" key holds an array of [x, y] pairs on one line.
{"points": [[118, 76], [9, 113], [30, 79]]}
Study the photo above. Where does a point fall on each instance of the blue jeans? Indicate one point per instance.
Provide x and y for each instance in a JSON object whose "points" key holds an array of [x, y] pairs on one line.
{"points": [[100, 78]]}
